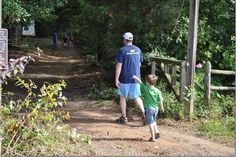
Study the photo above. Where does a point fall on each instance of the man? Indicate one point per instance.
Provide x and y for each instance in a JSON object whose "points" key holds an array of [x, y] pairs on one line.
{"points": [[55, 38], [128, 62]]}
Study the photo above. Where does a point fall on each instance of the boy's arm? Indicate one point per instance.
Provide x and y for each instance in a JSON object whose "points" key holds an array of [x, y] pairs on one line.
{"points": [[161, 106], [137, 79]]}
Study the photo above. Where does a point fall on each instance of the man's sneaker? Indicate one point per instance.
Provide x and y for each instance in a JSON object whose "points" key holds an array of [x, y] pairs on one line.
{"points": [[122, 120], [157, 135]]}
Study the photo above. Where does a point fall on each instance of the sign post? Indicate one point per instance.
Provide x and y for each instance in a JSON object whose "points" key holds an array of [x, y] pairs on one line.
{"points": [[0, 72], [0, 13], [3, 55]]}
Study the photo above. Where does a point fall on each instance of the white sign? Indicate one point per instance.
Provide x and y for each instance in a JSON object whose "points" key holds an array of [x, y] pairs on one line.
{"points": [[3, 47]]}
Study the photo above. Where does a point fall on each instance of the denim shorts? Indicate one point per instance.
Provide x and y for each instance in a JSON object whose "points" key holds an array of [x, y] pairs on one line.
{"points": [[150, 115], [130, 90]]}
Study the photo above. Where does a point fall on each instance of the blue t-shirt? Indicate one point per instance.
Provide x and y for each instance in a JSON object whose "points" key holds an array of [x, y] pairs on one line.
{"points": [[130, 56]]}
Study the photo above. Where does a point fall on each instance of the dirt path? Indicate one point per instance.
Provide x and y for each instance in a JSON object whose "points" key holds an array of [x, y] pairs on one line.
{"points": [[96, 118], [109, 138]]}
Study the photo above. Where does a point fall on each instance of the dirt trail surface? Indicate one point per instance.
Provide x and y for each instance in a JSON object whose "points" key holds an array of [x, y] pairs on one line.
{"points": [[97, 119]]}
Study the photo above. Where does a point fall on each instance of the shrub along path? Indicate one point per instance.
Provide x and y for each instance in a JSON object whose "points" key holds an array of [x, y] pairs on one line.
{"points": [[96, 118]]}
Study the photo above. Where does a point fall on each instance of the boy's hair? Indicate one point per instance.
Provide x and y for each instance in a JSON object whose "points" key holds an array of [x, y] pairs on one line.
{"points": [[151, 79]]}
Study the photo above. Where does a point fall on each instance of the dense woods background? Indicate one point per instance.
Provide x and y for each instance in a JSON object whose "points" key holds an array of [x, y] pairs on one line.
{"points": [[160, 26]]}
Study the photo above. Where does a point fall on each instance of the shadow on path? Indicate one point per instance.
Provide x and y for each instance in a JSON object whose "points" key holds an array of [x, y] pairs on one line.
{"points": [[118, 139], [90, 120]]}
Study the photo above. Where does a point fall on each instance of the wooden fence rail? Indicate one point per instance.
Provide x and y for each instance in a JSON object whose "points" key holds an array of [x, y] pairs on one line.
{"points": [[174, 72], [207, 82]]}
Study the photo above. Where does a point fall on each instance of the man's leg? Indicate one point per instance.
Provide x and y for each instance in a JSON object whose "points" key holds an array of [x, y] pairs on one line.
{"points": [[123, 106], [135, 93], [139, 103], [122, 92]]}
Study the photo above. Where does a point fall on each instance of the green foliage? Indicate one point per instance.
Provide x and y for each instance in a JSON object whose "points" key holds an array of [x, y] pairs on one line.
{"points": [[216, 40], [218, 127], [99, 24], [33, 125], [108, 93], [15, 11], [173, 109]]}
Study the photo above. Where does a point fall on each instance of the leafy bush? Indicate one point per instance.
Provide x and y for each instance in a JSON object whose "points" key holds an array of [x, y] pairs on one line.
{"points": [[34, 125], [173, 109]]}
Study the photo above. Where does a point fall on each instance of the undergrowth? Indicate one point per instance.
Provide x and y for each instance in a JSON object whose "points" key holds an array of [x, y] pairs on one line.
{"points": [[34, 125]]}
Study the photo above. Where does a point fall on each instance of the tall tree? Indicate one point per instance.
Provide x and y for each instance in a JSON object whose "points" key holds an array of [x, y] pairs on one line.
{"points": [[25, 11]]}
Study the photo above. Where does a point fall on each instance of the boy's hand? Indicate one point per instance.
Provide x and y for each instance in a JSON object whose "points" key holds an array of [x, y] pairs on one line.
{"points": [[162, 110]]}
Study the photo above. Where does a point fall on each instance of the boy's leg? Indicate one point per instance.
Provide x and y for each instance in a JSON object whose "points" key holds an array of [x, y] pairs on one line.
{"points": [[152, 131], [156, 128], [157, 132]]}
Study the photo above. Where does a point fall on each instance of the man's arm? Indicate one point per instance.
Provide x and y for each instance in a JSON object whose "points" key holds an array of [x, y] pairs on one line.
{"points": [[118, 71], [137, 79]]}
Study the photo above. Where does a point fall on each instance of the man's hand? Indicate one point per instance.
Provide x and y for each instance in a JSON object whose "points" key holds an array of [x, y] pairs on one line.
{"points": [[117, 83]]}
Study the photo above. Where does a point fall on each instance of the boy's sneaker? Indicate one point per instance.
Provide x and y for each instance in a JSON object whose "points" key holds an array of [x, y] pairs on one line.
{"points": [[122, 120], [151, 140], [157, 135]]}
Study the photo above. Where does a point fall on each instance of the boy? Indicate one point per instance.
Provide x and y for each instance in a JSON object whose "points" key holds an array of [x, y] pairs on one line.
{"points": [[152, 101]]}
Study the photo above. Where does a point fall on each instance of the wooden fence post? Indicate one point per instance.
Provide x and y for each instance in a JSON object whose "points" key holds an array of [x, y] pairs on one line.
{"points": [[166, 68], [153, 68], [182, 80], [173, 75], [207, 83]]}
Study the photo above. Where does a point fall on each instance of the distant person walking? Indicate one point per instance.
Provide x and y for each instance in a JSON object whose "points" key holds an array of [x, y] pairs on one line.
{"points": [[65, 39], [71, 40], [128, 62], [55, 39]]}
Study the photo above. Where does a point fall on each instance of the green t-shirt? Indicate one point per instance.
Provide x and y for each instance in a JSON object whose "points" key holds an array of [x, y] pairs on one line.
{"points": [[151, 95]]}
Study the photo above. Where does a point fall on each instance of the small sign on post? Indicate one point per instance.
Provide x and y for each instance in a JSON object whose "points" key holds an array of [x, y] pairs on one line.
{"points": [[3, 47], [3, 55]]}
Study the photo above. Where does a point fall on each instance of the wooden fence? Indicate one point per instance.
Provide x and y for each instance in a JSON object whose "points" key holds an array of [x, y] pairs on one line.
{"points": [[174, 72], [207, 82]]}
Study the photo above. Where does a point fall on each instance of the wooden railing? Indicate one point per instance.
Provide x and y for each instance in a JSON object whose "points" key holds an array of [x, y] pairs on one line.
{"points": [[174, 72], [207, 82]]}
